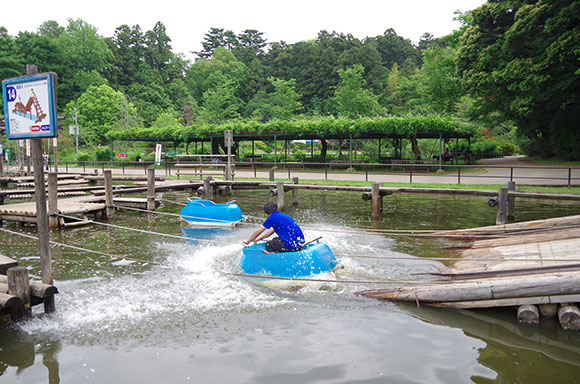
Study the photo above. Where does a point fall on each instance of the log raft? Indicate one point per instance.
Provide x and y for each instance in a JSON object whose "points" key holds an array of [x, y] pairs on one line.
{"points": [[520, 265], [18, 294]]}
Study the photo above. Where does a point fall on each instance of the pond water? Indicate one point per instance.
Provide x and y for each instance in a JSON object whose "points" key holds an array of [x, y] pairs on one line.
{"points": [[182, 316]]}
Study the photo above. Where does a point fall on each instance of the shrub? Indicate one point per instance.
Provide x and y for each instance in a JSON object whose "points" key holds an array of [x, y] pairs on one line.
{"points": [[103, 154]]}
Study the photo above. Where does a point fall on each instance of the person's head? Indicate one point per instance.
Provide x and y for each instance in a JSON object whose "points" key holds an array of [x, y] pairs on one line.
{"points": [[270, 207]]}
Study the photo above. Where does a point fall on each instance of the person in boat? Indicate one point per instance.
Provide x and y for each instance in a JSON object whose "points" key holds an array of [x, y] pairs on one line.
{"points": [[290, 237]]}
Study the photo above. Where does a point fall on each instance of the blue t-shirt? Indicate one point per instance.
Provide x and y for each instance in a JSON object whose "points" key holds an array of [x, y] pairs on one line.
{"points": [[286, 229]]}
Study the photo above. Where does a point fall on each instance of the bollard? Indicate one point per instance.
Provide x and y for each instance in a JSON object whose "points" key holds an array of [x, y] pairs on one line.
{"points": [[280, 190], [207, 188], [501, 206], [19, 286]]}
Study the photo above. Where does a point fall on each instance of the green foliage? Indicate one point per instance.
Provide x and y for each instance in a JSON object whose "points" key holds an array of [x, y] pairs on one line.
{"points": [[493, 147], [520, 58], [350, 99], [99, 109], [103, 154]]}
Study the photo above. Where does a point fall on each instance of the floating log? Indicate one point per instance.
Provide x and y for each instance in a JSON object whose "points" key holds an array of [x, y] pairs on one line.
{"points": [[37, 289], [510, 302], [484, 289], [528, 314], [569, 317], [9, 301]]}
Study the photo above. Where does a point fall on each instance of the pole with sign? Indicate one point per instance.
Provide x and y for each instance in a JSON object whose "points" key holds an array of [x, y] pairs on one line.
{"points": [[30, 113], [157, 154]]}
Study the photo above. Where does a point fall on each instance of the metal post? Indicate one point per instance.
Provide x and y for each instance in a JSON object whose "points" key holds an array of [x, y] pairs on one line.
{"points": [[569, 176], [458, 174], [295, 180]]}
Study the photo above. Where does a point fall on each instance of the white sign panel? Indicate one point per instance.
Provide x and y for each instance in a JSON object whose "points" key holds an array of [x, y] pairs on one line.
{"points": [[158, 154], [30, 106]]}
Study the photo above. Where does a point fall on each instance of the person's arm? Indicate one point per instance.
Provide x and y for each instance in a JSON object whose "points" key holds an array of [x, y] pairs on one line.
{"points": [[254, 235], [265, 235]]}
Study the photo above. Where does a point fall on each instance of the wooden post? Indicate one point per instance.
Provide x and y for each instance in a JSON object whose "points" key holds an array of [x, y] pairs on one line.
{"points": [[501, 206], [271, 174], [511, 201], [52, 201], [2, 165], [280, 190], [569, 317], [109, 205], [208, 188], [19, 285], [528, 314], [151, 189], [41, 212], [376, 201], [295, 180], [54, 147]]}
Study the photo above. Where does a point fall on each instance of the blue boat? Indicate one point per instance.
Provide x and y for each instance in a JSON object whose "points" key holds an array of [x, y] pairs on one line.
{"points": [[311, 260], [206, 213]]}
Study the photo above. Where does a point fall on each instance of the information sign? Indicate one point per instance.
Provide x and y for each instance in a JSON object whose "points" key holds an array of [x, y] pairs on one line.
{"points": [[30, 106]]}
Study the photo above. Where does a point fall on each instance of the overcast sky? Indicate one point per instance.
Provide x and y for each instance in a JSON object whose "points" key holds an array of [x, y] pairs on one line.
{"points": [[291, 21]]}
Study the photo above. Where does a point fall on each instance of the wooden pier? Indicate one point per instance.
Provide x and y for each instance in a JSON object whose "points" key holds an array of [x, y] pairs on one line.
{"points": [[533, 266], [18, 294]]}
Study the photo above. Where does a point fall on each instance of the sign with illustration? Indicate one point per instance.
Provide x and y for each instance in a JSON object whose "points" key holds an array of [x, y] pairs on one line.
{"points": [[30, 106]]}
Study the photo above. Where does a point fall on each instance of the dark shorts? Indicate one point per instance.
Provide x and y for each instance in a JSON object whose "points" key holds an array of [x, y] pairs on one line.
{"points": [[277, 245]]}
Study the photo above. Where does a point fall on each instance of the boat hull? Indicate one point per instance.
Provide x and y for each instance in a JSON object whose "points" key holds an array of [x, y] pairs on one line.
{"points": [[313, 259], [206, 213]]}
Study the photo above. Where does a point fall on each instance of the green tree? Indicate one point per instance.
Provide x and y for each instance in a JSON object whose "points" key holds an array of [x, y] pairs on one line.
{"points": [[283, 103], [350, 98], [206, 74], [220, 104], [99, 110], [520, 58]]}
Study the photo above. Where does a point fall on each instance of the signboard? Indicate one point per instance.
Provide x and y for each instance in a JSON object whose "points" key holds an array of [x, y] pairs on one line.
{"points": [[1, 149], [228, 137], [73, 130], [30, 106], [158, 154]]}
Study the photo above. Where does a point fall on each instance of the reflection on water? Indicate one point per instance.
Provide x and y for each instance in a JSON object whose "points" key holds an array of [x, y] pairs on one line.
{"points": [[180, 314]]}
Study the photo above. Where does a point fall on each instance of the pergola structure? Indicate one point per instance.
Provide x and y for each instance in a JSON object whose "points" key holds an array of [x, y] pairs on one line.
{"points": [[281, 136]]}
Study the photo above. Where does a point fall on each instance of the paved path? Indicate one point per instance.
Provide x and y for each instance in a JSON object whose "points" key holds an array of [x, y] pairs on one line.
{"points": [[488, 171]]}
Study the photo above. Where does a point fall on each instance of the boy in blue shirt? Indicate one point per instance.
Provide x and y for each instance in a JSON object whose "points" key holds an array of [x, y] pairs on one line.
{"points": [[290, 237]]}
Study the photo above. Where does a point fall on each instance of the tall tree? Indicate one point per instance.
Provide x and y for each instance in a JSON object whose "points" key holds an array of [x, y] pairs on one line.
{"points": [[350, 98], [520, 58]]}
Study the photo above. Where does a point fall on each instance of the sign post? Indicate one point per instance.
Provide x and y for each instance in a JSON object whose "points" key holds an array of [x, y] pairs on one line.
{"points": [[30, 113]]}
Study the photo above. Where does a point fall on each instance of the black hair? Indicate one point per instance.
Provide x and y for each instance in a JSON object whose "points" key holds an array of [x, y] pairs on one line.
{"points": [[270, 207]]}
